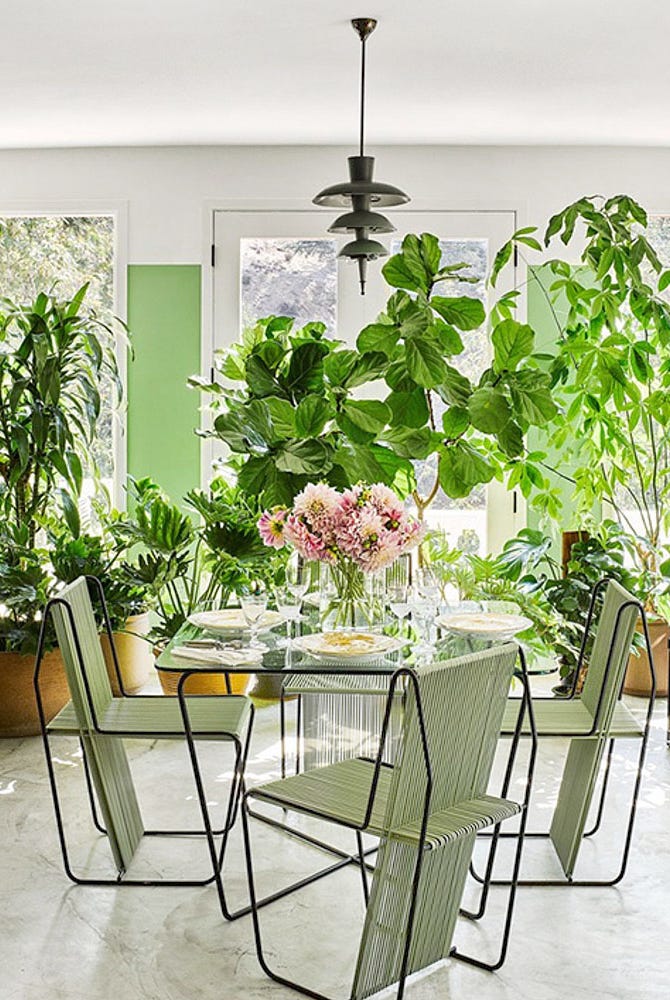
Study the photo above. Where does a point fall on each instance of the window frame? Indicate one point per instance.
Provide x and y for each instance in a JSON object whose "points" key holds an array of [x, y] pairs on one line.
{"points": [[118, 210]]}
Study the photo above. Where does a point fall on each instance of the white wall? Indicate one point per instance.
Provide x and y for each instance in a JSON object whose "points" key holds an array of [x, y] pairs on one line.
{"points": [[166, 188]]}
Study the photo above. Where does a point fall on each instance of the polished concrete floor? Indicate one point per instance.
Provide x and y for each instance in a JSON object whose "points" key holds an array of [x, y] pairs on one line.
{"points": [[64, 942]]}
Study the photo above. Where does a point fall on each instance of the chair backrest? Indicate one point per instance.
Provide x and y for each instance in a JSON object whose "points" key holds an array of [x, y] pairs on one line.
{"points": [[77, 597], [463, 702], [609, 656]]}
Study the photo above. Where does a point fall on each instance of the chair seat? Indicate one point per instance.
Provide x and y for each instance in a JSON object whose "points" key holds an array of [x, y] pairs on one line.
{"points": [[340, 791], [332, 684], [570, 717], [160, 717]]}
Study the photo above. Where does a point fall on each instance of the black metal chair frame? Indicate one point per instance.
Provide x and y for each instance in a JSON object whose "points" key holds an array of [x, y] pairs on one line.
{"points": [[486, 879], [409, 675], [241, 752]]}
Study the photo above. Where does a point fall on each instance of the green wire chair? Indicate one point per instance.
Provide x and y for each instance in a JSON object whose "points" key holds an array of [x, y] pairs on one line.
{"points": [[593, 720], [426, 809], [101, 722]]}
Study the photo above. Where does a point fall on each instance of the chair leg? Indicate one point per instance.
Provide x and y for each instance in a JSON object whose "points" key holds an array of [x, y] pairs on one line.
{"points": [[594, 883], [119, 880]]}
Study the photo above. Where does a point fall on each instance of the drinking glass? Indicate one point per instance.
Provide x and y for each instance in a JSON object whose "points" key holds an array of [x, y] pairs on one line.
{"points": [[254, 603], [397, 598], [288, 605], [297, 576]]}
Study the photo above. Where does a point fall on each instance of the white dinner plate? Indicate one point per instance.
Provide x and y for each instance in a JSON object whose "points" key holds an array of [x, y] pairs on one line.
{"points": [[484, 624], [231, 620], [348, 645]]}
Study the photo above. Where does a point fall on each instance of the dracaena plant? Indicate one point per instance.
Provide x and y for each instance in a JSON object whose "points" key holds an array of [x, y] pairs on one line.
{"points": [[612, 375], [475, 431], [53, 354], [285, 407]]}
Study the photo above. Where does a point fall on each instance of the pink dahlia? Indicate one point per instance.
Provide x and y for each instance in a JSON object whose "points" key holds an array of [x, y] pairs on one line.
{"points": [[271, 526], [317, 505]]}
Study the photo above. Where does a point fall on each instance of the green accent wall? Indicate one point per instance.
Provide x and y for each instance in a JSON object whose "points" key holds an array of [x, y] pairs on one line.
{"points": [[164, 320]]}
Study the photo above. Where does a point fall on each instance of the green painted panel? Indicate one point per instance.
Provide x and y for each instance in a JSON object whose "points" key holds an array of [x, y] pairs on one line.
{"points": [[164, 318]]}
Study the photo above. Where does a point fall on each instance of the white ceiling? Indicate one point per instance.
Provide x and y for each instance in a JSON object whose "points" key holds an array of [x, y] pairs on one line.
{"points": [[144, 72]]}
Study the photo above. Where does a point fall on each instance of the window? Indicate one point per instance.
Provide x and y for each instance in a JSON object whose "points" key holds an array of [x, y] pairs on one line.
{"points": [[288, 277], [41, 253]]}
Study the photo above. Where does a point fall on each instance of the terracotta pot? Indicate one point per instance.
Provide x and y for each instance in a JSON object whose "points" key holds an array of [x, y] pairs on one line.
{"points": [[18, 707], [135, 655], [637, 680], [204, 684]]}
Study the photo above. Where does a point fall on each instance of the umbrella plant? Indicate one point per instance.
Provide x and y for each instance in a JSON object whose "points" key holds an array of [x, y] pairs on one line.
{"points": [[611, 373]]}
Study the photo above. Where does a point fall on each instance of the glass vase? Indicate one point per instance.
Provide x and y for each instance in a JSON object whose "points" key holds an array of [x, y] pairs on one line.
{"points": [[347, 597]]}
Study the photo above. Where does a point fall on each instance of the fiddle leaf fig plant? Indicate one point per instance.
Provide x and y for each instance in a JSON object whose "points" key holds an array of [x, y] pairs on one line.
{"points": [[475, 431], [285, 410]]}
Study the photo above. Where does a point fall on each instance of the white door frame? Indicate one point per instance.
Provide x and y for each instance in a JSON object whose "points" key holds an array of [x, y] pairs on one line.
{"points": [[118, 210]]}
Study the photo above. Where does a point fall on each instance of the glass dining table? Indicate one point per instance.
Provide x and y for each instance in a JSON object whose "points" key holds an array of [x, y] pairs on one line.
{"points": [[342, 700], [332, 715]]}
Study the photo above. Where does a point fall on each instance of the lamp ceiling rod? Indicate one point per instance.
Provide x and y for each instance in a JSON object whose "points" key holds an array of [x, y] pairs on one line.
{"points": [[363, 26]]}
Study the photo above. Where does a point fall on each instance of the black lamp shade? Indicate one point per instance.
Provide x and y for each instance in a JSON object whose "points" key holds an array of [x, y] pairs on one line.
{"points": [[361, 184], [362, 219]]}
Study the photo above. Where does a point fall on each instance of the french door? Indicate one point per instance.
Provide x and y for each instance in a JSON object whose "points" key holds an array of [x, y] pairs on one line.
{"points": [[285, 263]]}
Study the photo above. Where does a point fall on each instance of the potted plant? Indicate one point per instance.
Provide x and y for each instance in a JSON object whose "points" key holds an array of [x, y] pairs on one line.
{"points": [[611, 373], [187, 565], [53, 354], [103, 556]]}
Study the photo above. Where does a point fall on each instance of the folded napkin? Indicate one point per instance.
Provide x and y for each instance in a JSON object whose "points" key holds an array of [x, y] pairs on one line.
{"points": [[224, 657]]}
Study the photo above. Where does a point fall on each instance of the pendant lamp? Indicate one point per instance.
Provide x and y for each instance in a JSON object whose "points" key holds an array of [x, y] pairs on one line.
{"points": [[361, 194]]}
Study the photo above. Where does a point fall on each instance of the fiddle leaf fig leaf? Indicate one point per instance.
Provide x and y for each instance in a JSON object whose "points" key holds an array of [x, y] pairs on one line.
{"points": [[460, 310], [308, 457], [489, 410], [364, 419], [510, 439], [311, 416], [461, 467], [455, 422], [531, 397], [408, 409], [425, 363], [382, 337], [512, 343]]}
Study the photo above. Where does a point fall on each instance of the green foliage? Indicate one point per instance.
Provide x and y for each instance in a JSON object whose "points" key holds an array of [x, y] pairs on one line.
{"points": [[294, 420], [53, 354], [188, 564], [104, 557], [420, 334], [24, 588], [611, 375]]}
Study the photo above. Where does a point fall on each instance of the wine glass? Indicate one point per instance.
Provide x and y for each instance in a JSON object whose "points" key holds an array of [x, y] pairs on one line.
{"points": [[254, 603], [296, 576], [288, 605], [397, 598]]}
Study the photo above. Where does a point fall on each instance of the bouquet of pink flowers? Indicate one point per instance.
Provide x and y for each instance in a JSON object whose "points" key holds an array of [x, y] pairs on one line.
{"points": [[365, 526]]}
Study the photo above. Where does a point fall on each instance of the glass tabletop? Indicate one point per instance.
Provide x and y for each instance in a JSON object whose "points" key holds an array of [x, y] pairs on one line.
{"points": [[278, 657]]}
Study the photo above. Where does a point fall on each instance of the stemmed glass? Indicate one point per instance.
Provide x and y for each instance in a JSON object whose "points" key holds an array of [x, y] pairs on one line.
{"points": [[425, 605], [254, 603], [296, 578], [288, 605], [397, 598]]}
